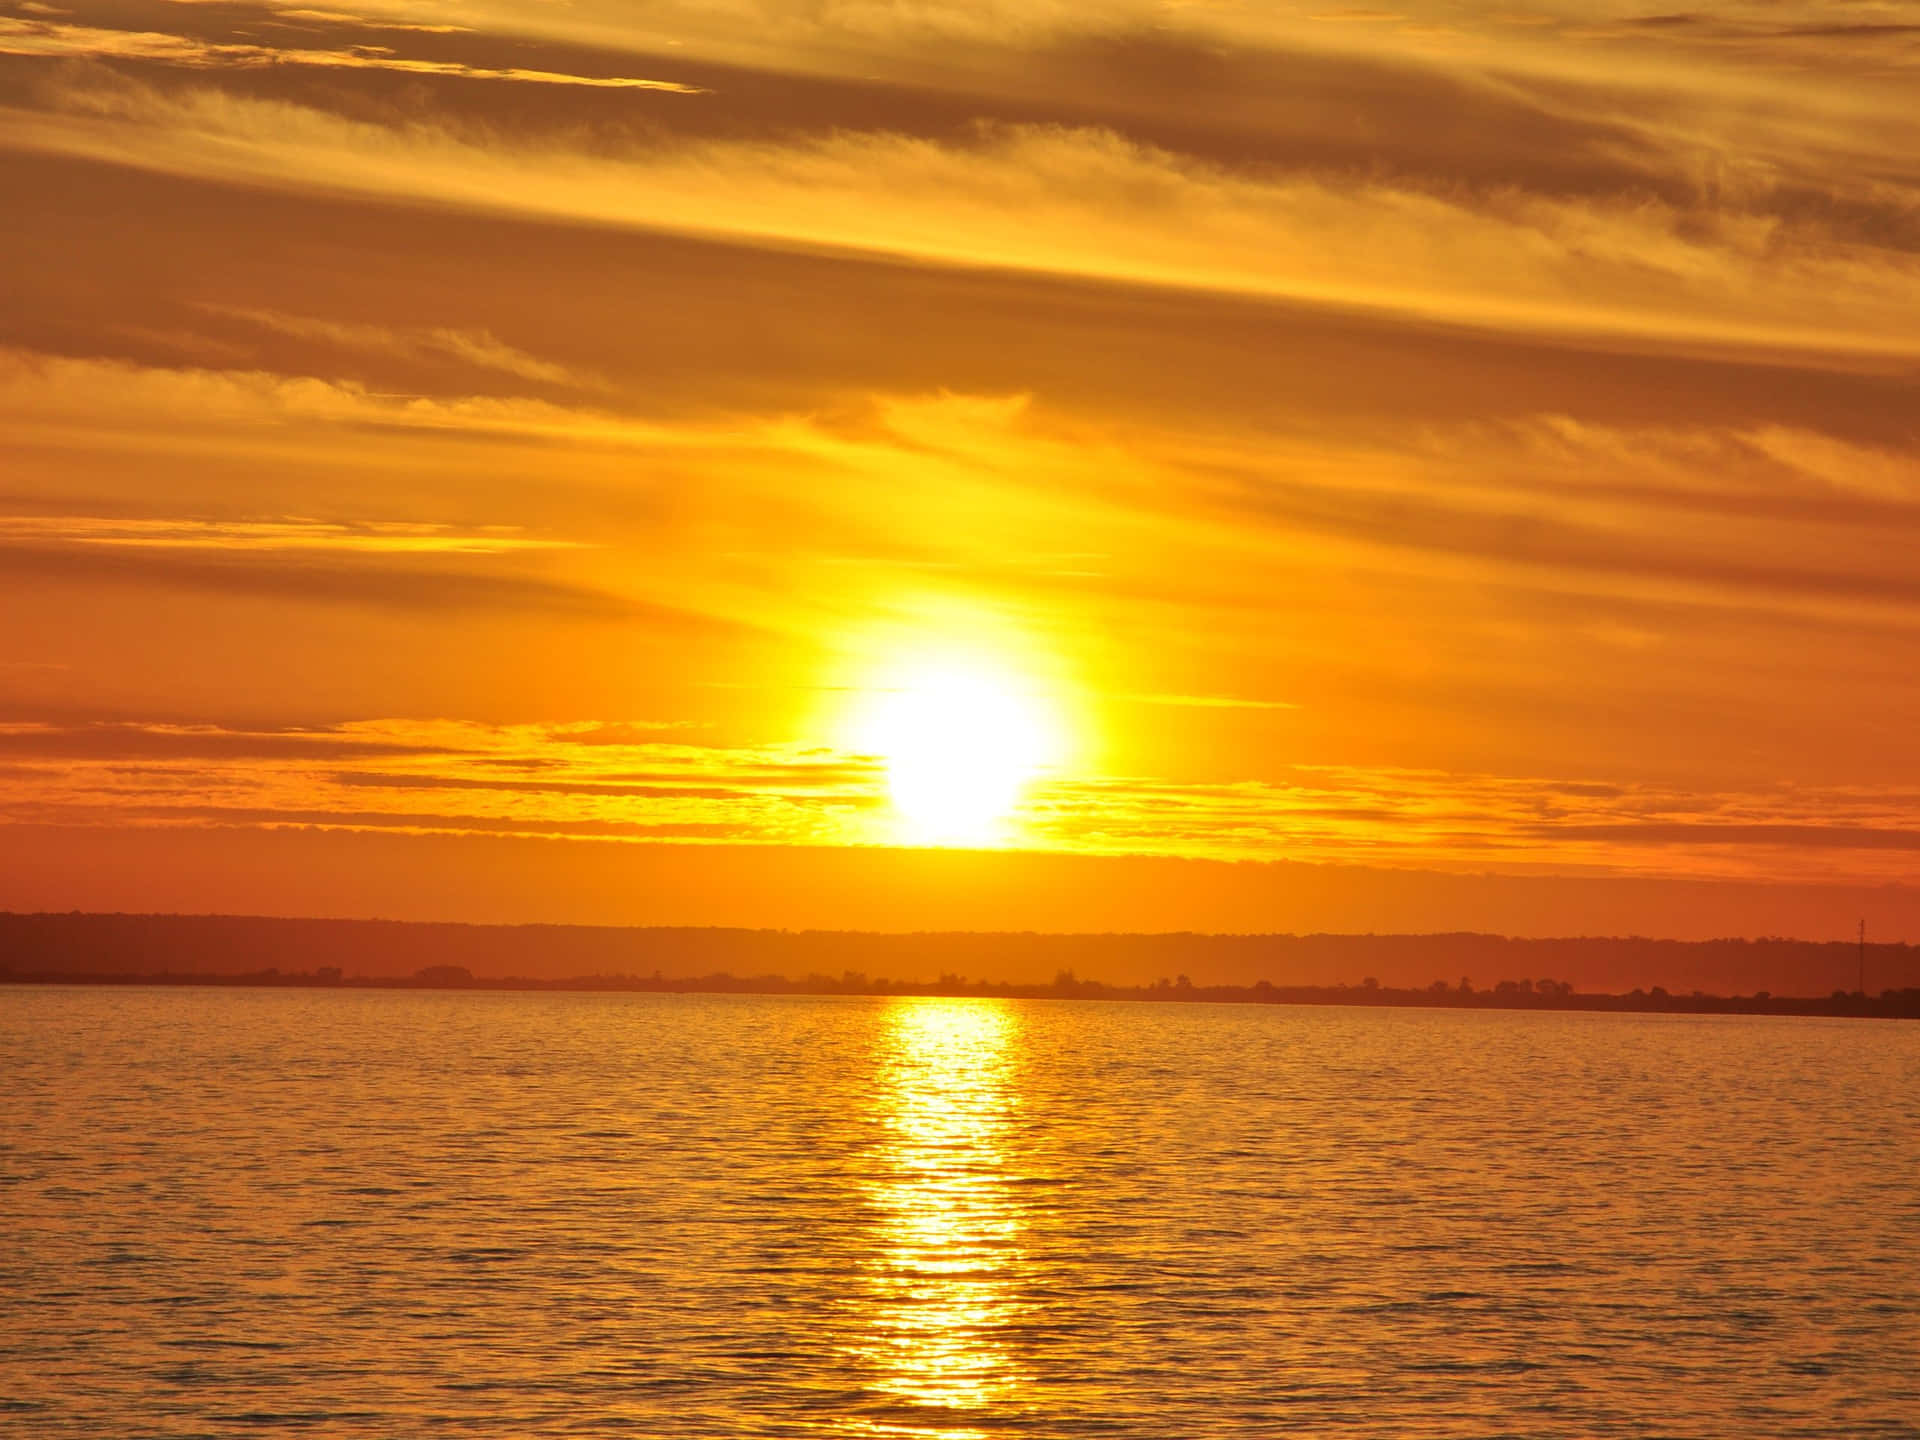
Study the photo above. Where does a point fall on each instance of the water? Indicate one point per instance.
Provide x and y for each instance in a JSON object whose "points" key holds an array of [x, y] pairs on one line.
{"points": [[411, 1214]]}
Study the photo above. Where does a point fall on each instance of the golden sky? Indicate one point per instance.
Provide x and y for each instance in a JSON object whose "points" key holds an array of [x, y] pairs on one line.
{"points": [[1428, 444]]}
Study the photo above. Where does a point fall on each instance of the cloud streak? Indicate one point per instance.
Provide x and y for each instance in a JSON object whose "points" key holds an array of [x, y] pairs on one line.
{"points": [[1084, 202], [53, 39], [366, 538], [571, 782], [475, 348], [259, 573]]}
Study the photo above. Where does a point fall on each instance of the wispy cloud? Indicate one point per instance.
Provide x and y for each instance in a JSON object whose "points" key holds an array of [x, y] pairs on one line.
{"points": [[1706, 515], [50, 393], [571, 781], [367, 537], [476, 348], [1347, 814], [443, 776], [1086, 202], [1211, 702], [266, 573], [55, 38]]}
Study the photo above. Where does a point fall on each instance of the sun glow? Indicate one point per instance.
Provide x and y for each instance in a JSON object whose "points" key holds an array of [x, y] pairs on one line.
{"points": [[961, 740]]}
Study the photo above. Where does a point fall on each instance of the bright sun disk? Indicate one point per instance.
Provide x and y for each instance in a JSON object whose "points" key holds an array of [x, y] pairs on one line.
{"points": [[961, 743]]}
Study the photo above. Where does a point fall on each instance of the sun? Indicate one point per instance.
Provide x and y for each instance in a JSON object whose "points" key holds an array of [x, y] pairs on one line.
{"points": [[961, 740]]}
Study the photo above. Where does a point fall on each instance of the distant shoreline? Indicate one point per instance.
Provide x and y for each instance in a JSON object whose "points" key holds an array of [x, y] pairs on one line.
{"points": [[1508, 995], [1627, 973]]}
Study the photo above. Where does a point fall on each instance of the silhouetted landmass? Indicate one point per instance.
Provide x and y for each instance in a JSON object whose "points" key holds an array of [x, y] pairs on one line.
{"points": [[230, 950]]}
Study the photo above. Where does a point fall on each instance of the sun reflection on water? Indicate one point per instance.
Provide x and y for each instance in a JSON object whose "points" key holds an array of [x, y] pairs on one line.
{"points": [[948, 1248]]}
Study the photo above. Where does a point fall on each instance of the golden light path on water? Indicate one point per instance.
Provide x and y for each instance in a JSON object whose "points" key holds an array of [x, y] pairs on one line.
{"points": [[949, 1231]]}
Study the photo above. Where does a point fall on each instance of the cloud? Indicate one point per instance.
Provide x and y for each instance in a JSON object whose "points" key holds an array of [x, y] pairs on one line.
{"points": [[477, 348], [128, 740], [1210, 702], [1182, 525], [1532, 536], [341, 17], [59, 395], [1086, 202], [1769, 515], [366, 538], [444, 777], [54, 39], [1783, 836], [345, 777], [680, 325], [263, 574], [1448, 820]]}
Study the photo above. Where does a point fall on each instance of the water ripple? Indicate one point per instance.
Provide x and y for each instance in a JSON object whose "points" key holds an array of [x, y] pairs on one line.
{"points": [[414, 1214]]}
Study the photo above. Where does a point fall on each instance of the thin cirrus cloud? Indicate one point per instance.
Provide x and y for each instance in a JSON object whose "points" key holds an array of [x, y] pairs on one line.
{"points": [[1079, 201], [55, 394], [565, 782], [374, 537], [1711, 513], [475, 348], [1712, 516], [51, 38], [265, 573]]}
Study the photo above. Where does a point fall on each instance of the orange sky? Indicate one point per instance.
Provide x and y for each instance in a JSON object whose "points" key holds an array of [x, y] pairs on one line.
{"points": [[1456, 454]]}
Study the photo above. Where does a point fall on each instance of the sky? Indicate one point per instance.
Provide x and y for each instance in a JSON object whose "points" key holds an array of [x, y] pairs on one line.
{"points": [[840, 462]]}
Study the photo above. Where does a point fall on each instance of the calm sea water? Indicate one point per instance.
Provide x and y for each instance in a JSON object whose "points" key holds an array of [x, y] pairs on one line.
{"points": [[230, 1212]]}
